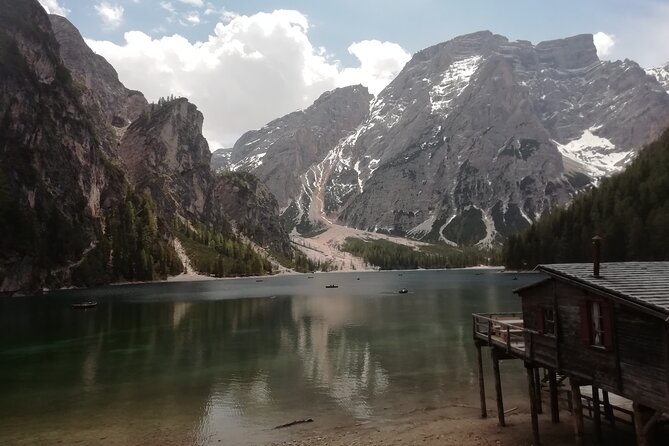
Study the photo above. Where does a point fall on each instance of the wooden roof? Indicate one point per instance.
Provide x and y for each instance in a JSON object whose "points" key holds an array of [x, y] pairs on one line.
{"points": [[644, 283]]}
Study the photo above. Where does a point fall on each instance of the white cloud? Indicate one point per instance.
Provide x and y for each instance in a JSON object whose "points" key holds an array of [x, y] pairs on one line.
{"points": [[111, 15], [53, 7], [167, 6], [192, 18], [250, 71], [642, 35], [604, 43], [198, 3], [379, 64]]}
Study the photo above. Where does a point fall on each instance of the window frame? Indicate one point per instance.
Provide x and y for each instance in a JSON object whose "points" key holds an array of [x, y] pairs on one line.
{"points": [[597, 323], [546, 322]]}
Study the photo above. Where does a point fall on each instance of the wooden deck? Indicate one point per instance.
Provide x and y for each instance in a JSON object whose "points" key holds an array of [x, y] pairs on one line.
{"points": [[505, 331], [509, 339]]}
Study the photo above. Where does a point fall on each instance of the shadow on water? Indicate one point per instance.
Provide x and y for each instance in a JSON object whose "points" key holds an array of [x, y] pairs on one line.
{"points": [[202, 361]]}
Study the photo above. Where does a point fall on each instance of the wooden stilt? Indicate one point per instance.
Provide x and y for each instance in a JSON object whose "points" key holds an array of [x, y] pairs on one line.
{"points": [[498, 389], [484, 410], [639, 424], [552, 385], [532, 387], [644, 421], [537, 386], [597, 417], [577, 411], [608, 410]]}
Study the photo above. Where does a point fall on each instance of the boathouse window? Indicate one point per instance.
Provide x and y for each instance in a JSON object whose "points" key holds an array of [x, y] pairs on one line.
{"points": [[549, 321], [596, 324]]}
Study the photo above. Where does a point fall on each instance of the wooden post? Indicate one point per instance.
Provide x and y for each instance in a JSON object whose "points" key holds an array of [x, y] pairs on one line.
{"points": [[639, 425], [498, 388], [555, 404], [532, 387], [484, 410], [608, 410], [596, 414], [644, 423], [577, 411], [537, 386]]}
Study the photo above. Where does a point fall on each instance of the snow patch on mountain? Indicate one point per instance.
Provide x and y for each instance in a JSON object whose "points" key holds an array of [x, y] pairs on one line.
{"points": [[453, 82], [598, 155], [251, 162], [661, 74]]}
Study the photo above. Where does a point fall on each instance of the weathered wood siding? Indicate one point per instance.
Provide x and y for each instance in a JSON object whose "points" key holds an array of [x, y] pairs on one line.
{"points": [[543, 346], [642, 357], [636, 364]]}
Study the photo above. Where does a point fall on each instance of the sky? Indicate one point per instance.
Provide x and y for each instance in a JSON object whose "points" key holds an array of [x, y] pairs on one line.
{"points": [[246, 62]]}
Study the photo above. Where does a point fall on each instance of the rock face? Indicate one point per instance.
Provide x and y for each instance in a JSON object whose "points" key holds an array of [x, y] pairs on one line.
{"points": [[220, 160], [285, 152], [661, 74], [54, 183], [478, 136], [164, 152], [103, 89], [81, 204], [241, 198]]}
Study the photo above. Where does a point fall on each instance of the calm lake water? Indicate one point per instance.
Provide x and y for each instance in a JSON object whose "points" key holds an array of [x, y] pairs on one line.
{"points": [[225, 361]]}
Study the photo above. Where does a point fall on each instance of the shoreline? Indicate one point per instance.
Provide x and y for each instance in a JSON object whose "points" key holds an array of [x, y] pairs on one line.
{"points": [[450, 425]]}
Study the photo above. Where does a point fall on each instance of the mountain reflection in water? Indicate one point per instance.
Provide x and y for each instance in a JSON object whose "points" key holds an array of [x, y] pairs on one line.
{"points": [[200, 362]]}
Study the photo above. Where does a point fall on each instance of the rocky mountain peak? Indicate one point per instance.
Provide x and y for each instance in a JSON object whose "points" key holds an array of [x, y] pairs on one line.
{"points": [[289, 147], [570, 53], [102, 88], [166, 142], [661, 74], [475, 138]]}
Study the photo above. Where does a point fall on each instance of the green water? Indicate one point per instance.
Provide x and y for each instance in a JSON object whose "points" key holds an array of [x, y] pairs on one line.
{"points": [[222, 362]]}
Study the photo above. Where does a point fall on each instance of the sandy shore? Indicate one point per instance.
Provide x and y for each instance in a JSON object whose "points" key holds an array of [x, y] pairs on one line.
{"points": [[448, 426]]}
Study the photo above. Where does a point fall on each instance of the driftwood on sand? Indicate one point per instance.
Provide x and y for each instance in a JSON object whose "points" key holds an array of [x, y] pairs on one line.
{"points": [[293, 423]]}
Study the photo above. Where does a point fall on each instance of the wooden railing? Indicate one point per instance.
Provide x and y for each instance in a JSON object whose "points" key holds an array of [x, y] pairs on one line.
{"points": [[504, 330], [610, 412]]}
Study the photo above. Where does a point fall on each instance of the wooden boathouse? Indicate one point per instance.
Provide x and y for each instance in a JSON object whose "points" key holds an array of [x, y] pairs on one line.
{"points": [[604, 329]]}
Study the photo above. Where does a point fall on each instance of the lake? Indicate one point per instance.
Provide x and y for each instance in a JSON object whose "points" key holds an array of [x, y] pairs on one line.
{"points": [[225, 361]]}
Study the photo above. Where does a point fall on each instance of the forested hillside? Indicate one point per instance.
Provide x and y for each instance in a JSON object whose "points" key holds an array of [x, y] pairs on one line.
{"points": [[629, 210]]}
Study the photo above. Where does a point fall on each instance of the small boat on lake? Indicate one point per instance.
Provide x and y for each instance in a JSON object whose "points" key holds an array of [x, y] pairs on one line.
{"points": [[331, 286], [258, 280], [82, 305], [403, 291]]}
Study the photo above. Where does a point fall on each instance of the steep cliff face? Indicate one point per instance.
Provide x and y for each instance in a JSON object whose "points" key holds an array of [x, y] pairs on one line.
{"points": [[102, 88], [478, 136], [81, 204], [54, 179], [163, 151], [284, 154], [240, 199]]}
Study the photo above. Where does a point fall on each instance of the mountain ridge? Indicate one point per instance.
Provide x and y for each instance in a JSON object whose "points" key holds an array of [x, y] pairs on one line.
{"points": [[479, 136], [97, 185]]}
